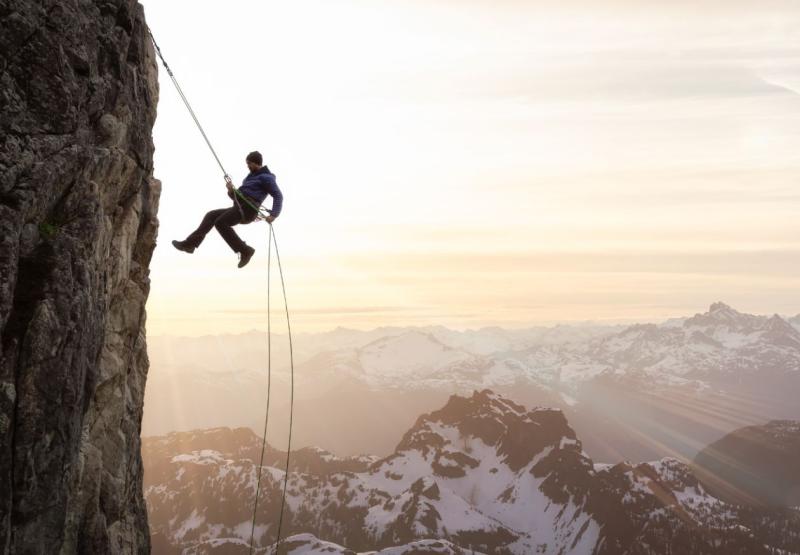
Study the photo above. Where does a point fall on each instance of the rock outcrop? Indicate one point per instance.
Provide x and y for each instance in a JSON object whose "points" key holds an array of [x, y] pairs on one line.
{"points": [[78, 94]]}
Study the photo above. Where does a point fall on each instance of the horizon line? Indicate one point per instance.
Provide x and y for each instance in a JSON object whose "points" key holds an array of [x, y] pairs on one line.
{"points": [[551, 324]]}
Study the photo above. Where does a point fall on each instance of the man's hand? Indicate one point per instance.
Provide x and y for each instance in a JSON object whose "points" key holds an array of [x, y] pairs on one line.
{"points": [[270, 218], [229, 185]]}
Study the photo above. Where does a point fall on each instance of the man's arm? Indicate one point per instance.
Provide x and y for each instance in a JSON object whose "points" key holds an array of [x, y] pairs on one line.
{"points": [[277, 199]]}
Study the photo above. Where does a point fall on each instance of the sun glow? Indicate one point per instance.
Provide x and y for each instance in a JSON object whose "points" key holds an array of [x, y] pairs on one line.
{"points": [[477, 163]]}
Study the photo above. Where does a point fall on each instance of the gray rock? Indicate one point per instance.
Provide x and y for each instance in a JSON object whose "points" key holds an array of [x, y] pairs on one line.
{"points": [[78, 203]]}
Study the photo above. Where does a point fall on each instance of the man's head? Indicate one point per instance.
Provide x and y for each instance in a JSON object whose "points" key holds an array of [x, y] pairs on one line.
{"points": [[254, 160]]}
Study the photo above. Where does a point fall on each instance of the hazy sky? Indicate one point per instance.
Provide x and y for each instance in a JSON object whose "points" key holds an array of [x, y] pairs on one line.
{"points": [[477, 163]]}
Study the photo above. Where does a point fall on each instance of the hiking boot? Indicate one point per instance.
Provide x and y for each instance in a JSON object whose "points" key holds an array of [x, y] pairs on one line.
{"points": [[245, 255], [183, 246]]}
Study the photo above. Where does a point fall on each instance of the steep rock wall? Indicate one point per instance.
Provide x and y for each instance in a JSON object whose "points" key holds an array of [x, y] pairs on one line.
{"points": [[78, 94]]}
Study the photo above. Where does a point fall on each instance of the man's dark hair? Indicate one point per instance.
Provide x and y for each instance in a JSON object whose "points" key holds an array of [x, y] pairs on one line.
{"points": [[256, 158]]}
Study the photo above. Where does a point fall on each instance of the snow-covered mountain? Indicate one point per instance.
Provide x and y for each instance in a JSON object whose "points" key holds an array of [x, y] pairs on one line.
{"points": [[703, 350], [481, 473], [640, 392]]}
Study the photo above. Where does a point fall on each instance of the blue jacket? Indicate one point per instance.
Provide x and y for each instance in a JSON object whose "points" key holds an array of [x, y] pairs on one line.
{"points": [[260, 183]]}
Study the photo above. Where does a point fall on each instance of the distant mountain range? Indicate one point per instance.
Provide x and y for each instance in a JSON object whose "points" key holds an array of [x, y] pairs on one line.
{"points": [[481, 474], [636, 392]]}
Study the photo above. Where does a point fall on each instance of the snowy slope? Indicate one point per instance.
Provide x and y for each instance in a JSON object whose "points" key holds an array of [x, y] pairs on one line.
{"points": [[701, 352], [646, 391], [480, 473], [707, 348]]}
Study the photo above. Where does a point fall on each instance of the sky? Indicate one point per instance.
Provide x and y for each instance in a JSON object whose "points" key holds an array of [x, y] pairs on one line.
{"points": [[481, 163]]}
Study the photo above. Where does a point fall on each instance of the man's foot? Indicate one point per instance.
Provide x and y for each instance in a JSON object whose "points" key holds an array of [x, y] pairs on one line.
{"points": [[183, 246], [245, 255]]}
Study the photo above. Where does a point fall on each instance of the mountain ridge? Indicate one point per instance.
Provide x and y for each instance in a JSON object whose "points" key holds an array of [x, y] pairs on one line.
{"points": [[481, 472], [677, 384]]}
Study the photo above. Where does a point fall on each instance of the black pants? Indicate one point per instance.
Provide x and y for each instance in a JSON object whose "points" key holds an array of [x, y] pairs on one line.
{"points": [[224, 219]]}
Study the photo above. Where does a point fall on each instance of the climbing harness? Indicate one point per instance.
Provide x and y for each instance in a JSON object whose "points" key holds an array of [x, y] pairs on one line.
{"points": [[261, 213]]}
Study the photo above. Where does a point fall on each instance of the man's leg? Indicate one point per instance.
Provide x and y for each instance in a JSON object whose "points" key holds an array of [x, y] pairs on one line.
{"points": [[224, 224], [197, 236]]}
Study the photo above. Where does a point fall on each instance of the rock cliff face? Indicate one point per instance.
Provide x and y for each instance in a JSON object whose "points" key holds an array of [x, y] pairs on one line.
{"points": [[78, 94]]}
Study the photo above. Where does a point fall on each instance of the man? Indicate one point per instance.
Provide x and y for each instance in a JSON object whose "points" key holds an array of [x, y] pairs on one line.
{"points": [[259, 183]]}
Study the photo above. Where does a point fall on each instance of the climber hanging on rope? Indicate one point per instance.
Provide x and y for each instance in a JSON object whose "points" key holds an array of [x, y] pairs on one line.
{"points": [[247, 200], [258, 184]]}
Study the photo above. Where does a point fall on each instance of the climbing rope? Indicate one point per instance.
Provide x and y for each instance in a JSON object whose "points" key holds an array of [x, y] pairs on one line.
{"points": [[269, 383], [291, 401], [260, 214], [186, 102], [273, 240]]}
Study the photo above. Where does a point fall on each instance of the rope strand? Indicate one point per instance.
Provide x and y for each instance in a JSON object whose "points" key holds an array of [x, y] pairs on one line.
{"points": [[186, 101], [291, 401], [269, 383]]}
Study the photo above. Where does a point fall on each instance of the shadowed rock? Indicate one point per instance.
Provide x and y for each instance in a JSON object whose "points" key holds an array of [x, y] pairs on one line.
{"points": [[77, 229]]}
